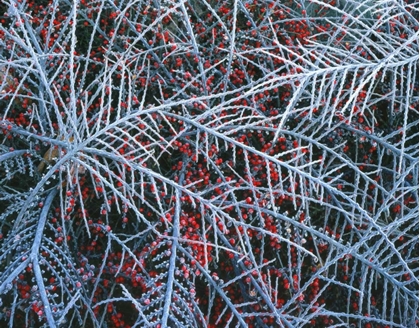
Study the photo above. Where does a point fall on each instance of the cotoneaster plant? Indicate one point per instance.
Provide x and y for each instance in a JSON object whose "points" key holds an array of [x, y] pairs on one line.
{"points": [[209, 164]]}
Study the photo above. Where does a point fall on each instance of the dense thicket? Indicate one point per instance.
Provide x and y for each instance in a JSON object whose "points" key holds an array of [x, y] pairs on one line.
{"points": [[209, 163]]}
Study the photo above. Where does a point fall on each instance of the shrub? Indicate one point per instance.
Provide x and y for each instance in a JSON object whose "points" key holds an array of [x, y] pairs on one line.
{"points": [[220, 164]]}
